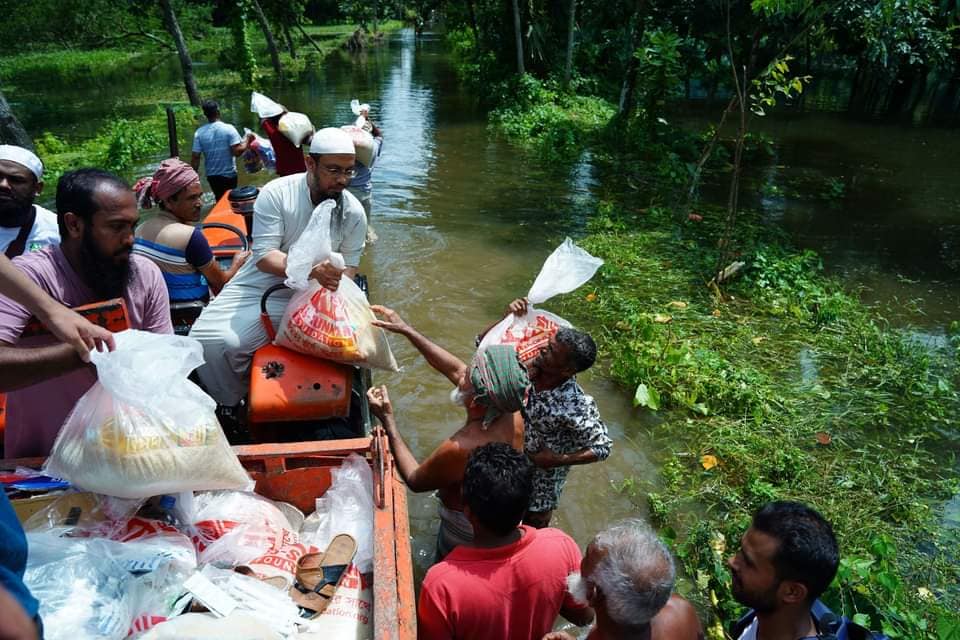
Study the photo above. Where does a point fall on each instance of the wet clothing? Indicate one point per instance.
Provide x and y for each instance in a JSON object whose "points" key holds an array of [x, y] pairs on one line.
{"points": [[42, 232], [35, 414], [13, 558], [214, 140], [515, 591], [289, 156], [230, 327], [563, 420], [180, 250]]}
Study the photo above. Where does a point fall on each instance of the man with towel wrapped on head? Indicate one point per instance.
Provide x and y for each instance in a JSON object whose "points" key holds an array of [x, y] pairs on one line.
{"points": [[24, 226], [492, 390], [229, 327]]}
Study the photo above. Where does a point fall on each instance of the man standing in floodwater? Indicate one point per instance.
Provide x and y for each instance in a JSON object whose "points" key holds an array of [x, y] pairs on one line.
{"points": [[220, 143], [562, 425], [491, 390]]}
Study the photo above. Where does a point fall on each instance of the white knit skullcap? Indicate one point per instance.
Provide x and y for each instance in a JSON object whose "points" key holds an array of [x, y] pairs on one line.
{"points": [[24, 157], [331, 140]]}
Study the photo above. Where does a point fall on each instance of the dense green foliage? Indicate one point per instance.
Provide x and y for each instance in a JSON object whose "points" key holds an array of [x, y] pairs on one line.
{"points": [[782, 384]]}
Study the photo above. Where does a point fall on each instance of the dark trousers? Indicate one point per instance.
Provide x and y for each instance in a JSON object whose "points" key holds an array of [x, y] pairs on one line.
{"points": [[221, 184]]}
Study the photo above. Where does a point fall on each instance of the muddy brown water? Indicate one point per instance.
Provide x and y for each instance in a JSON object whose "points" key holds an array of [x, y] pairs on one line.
{"points": [[465, 221]]}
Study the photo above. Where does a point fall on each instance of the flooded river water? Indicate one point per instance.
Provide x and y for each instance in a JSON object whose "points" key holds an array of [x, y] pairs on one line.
{"points": [[465, 221]]}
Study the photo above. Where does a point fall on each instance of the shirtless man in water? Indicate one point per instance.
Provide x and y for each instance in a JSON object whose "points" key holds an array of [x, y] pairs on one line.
{"points": [[491, 391]]}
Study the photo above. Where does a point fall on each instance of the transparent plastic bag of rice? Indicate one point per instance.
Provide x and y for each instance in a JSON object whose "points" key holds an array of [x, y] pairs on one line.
{"points": [[144, 429]]}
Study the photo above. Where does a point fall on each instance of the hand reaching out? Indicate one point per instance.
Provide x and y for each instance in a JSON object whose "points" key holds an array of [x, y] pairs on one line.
{"points": [[391, 319], [72, 328], [518, 307], [379, 402]]}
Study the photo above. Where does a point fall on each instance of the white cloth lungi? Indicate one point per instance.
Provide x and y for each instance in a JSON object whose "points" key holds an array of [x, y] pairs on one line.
{"points": [[229, 327]]}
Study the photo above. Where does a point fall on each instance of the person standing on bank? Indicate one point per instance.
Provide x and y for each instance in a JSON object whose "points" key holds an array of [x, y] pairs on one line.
{"points": [[24, 226], [220, 144]]}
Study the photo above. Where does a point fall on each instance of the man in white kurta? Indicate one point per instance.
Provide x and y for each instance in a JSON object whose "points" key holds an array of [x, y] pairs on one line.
{"points": [[230, 328]]}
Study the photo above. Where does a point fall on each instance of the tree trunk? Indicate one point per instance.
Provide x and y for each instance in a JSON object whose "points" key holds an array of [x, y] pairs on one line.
{"points": [[571, 27], [289, 38], [186, 64], [11, 131], [471, 5], [518, 33], [629, 87], [271, 42]]}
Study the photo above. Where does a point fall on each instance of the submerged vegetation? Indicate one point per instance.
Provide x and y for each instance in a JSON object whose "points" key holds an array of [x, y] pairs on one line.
{"points": [[772, 381]]}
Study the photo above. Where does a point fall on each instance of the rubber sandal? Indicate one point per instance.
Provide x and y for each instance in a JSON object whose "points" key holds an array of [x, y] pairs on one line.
{"points": [[319, 575]]}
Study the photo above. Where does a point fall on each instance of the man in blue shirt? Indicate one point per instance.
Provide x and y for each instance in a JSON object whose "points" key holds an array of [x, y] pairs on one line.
{"points": [[18, 607], [220, 144]]}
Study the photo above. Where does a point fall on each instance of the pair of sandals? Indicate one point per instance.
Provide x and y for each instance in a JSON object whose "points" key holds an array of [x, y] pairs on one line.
{"points": [[319, 574]]}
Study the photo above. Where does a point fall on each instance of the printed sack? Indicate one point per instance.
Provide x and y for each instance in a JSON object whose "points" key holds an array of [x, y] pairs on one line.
{"points": [[334, 325], [144, 429], [566, 269]]}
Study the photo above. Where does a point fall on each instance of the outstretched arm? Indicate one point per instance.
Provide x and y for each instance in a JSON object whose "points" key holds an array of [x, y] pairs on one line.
{"points": [[439, 358], [442, 468], [21, 368], [66, 325]]}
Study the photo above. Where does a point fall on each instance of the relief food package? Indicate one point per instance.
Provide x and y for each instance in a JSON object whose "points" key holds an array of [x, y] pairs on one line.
{"points": [[566, 269], [144, 429], [234, 528], [333, 325], [295, 126], [259, 154], [363, 144]]}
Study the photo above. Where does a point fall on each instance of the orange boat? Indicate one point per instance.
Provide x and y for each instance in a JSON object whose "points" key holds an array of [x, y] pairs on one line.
{"points": [[299, 472]]}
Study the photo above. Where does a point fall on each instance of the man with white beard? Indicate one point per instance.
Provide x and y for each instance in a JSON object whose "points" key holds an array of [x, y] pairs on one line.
{"points": [[491, 390], [627, 578]]}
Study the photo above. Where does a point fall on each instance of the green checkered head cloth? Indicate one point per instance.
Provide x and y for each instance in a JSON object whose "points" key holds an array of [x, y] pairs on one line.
{"points": [[499, 381]]}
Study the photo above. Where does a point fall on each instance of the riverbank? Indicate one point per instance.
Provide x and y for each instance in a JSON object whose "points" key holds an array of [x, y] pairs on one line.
{"points": [[784, 386]]}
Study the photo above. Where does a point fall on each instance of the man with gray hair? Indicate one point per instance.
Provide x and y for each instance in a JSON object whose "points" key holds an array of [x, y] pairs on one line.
{"points": [[627, 576]]}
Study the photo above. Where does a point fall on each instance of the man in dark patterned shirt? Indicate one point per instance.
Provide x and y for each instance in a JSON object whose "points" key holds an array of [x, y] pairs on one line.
{"points": [[562, 425]]}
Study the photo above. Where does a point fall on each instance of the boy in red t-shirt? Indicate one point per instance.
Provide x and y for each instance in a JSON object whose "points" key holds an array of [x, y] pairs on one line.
{"points": [[510, 582]]}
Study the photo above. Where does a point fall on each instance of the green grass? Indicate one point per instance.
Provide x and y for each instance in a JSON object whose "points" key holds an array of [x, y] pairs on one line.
{"points": [[750, 385]]}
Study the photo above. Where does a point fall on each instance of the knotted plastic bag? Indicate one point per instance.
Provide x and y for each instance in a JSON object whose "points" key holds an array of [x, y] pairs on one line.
{"points": [[144, 429], [295, 126], [334, 325], [566, 269], [263, 106], [259, 154]]}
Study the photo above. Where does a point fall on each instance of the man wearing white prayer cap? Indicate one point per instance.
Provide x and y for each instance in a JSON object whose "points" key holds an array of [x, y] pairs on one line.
{"points": [[24, 226], [230, 328]]}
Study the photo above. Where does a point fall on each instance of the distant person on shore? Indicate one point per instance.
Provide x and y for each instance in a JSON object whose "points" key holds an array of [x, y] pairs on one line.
{"points": [[510, 580], [220, 144], [491, 391], [787, 559], [627, 577], [562, 424], [24, 226], [172, 239], [289, 156], [96, 212]]}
